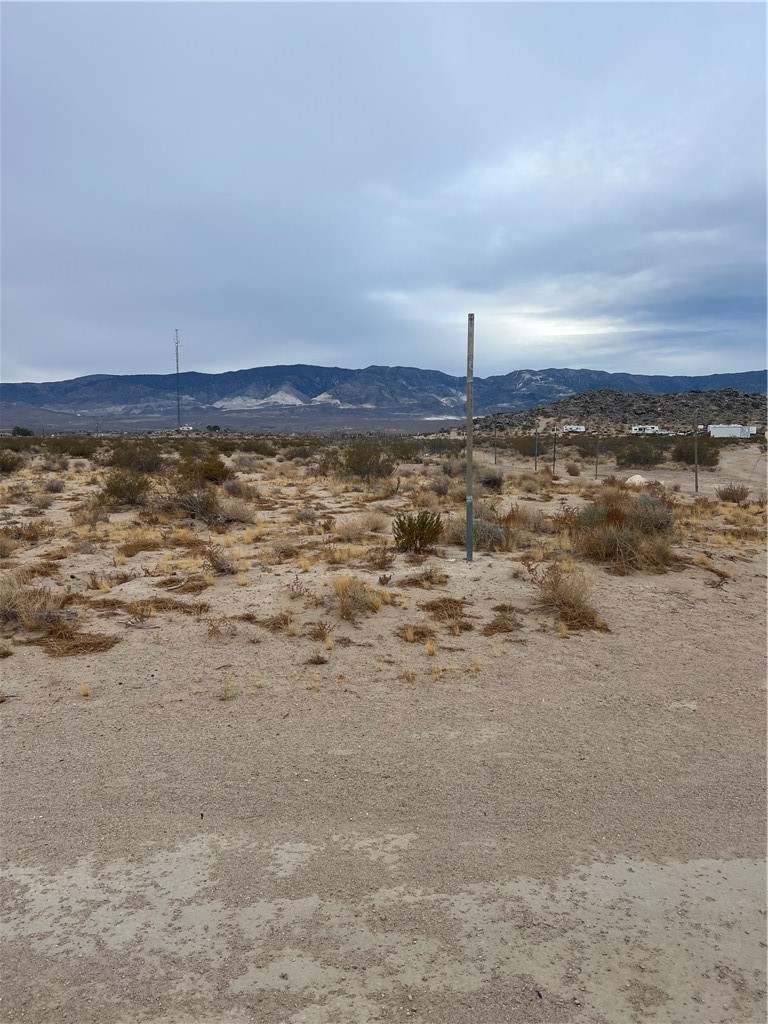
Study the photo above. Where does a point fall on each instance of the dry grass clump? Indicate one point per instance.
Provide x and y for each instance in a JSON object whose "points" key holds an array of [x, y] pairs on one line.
{"points": [[7, 545], [106, 580], [414, 633], [319, 630], [568, 594], [193, 584], [374, 522], [351, 596], [63, 640], [54, 486], [28, 533], [428, 578], [28, 606], [449, 612], [734, 493], [573, 468], [141, 540], [349, 530], [10, 461], [506, 620], [235, 510], [6, 649], [280, 623]]}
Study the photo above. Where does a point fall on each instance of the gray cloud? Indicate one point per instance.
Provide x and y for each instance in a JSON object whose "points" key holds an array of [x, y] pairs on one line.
{"points": [[340, 184]]}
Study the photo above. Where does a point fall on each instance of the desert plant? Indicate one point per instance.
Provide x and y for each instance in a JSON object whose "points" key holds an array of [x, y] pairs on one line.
{"points": [[10, 461], [735, 493], [29, 606], [417, 532], [573, 468], [708, 452], [568, 594], [366, 459], [54, 486], [218, 561], [142, 456], [352, 596], [126, 487], [492, 480], [209, 468]]}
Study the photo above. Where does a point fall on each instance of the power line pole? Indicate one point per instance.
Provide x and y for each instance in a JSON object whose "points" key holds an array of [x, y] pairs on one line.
{"points": [[470, 401], [178, 392], [696, 454]]}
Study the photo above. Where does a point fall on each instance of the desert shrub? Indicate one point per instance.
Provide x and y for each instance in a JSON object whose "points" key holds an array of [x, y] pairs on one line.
{"points": [[235, 510], [352, 597], [236, 488], [77, 447], [573, 468], [736, 493], [7, 545], [191, 498], [307, 515], [218, 561], [709, 453], [568, 594], [143, 456], [417, 532], [349, 529], [10, 461], [126, 487], [55, 486], [440, 485], [640, 453], [366, 459], [22, 432], [492, 480], [210, 468]]}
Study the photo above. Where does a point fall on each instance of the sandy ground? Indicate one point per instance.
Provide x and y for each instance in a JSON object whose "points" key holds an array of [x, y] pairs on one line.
{"points": [[519, 827]]}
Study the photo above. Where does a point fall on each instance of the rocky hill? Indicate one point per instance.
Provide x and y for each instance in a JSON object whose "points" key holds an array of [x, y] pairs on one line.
{"points": [[301, 394], [609, 408]]}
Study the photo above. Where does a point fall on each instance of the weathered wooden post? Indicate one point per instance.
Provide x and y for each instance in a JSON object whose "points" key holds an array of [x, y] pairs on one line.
{"points": [[470, 402]]}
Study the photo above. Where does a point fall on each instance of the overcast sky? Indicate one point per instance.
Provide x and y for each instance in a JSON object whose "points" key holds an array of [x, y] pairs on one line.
{"points": [[341, 184]]}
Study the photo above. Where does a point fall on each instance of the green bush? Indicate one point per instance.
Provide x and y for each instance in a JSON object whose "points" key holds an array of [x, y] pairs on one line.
{"points": [[22, 432], [138, 456], [367, 459], [416, 532], [77, 447], [126, 487], [208, 469], [709, 453], [640, 454]]}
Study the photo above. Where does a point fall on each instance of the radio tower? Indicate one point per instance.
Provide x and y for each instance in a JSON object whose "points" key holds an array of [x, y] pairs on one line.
{"points": [[178, 392]]}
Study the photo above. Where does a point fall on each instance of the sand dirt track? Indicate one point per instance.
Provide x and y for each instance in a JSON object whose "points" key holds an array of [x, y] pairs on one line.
{"points": [[553, 830]]}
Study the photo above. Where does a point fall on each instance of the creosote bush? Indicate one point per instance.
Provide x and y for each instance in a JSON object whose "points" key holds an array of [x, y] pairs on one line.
{"points": [[142, 456], [10, 461], [367, 460], [126, 487], [417, 532]]}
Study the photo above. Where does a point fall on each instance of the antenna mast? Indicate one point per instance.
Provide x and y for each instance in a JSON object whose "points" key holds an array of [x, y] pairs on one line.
{"points": [[178, 392]]}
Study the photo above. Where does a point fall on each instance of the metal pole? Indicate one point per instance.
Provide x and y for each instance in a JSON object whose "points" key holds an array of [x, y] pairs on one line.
{"points": [[494, 442], [178, 393], [536, 449], [554, 451], [470, 401], [696, 454]]}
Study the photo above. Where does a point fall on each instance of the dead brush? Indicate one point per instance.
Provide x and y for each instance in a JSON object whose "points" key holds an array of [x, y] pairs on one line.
{"points": [[449, 612], [63, 640], [218, 561], [414, 633], [319, 630], [733, 493], [381, 558], [141, 540], [220, 628], [351, 597], [428, 578], [568, 594], [105, 581], [194, 584], [296, 589], [506, 620], [280, 623]]}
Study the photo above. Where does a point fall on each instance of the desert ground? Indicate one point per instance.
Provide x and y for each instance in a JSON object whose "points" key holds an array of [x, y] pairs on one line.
{"points": [[261, 765]]}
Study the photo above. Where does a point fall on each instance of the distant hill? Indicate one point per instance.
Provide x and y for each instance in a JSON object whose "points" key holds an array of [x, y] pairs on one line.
{"points": [[615, 408], [301, 394]]}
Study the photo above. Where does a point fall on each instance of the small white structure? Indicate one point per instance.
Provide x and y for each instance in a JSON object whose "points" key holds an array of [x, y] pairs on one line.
{"points": [[574, 428], [730, 430], [647, 428]]}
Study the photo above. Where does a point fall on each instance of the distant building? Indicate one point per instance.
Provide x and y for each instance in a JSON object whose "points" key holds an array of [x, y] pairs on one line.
{"points": [[647, 428], [574, 428], [730, 430]]}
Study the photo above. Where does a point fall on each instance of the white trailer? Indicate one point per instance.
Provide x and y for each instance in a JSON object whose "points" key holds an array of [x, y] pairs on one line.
{"points": [[574, 428], [647, 428], [729, 430]]}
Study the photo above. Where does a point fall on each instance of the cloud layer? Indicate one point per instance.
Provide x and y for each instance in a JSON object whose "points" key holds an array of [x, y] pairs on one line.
{"points": [[341, 184]]}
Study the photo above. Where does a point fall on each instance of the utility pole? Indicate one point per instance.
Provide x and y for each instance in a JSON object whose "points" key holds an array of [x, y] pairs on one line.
{"points": [[696, 454], [178, 392], [470, 402], [536, 448], [554, 451], [494, 442]]}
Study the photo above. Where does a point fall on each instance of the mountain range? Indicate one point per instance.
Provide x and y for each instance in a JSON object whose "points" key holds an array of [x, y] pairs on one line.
{"points": [[305, 394]]}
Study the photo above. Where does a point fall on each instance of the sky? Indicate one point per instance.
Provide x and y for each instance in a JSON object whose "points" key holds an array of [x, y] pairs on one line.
{"points": [[340, 184]]}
